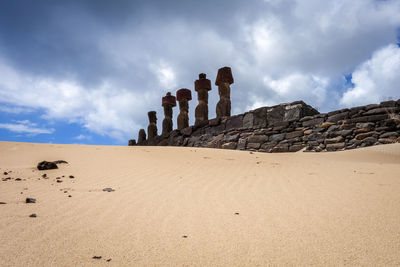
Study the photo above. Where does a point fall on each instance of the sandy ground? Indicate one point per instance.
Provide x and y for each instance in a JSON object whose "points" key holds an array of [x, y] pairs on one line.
{"points": [[199, 207]]}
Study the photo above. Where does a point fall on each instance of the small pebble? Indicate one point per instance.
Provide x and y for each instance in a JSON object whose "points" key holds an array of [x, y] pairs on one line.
{"points": [[184, 236], [59, 181], [5, 173], [30, 200], [69, 196], [18, 179], [71, 176], [44, 175], [236, 213], [33, 215], [109, 260], [3, 203], [96, 257]]}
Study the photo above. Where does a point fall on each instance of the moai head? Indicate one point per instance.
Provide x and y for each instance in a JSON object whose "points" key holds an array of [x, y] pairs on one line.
{"points": [[183, 96], [152, 116], [168, 102], [224, 76], [202, 86]]}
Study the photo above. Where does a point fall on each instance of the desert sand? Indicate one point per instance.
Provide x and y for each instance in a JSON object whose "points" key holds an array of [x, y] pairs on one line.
{"points": [[175, 206]]}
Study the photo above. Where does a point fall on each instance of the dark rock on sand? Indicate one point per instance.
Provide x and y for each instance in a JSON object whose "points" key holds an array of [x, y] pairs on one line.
{"points": [[33, 215], [18, 179], [30, 200], [96, 257], [5, 173], [46, 165], [3, 203], [71, 176], [108, 189]]}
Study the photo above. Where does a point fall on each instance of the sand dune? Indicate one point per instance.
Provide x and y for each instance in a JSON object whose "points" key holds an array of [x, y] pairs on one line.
{"points": [[175, 206]]}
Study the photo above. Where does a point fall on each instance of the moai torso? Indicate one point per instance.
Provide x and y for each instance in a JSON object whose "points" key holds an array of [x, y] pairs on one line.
{"points": [[152, 128], [223, 81], [142, 137], [202, 86], [168, 102], [183, 96]]}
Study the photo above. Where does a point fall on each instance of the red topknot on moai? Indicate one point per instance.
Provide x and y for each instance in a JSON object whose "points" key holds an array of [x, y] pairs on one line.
{"points": [[223, 81], [168, 102], [183, 96], [202, 86]]}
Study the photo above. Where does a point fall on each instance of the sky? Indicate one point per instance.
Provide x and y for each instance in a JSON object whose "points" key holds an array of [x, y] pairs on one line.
{"points": [[88, 71]]}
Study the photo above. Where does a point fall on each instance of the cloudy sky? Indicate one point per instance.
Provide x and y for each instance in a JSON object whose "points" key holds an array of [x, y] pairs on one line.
{"points": [[88, 71]]}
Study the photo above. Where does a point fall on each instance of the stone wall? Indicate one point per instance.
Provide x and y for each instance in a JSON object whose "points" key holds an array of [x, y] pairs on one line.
{"points": [[292, 127]]}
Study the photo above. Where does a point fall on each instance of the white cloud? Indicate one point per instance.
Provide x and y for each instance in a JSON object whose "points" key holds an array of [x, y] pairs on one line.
{"points": [[25, 126], [83, 137], [165, 75], [376, 79]]}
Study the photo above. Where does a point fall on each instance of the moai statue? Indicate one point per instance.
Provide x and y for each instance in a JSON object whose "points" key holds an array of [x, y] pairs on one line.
{"points": [[183, 96], [141, 138], [152, 128], [132, 142], [202, 86], [223, 81], [168, 102]]}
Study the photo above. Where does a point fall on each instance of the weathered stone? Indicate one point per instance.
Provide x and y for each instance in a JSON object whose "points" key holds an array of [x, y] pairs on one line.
{"points": [[234, 122], [241, 144], [231, 145], [306, 118], [371, 106], [187, 131], [280, 148], [345, 133], [338, 117], [214, 122], [387, 140], [231, 138], [307, 132], [382, 111], [389, 134], [335, 146], [390, 103], [257, 139], [295, 148], [371, 118], [369, 141], [248, 120], [334, 140], [277, 137], [260, 117], [362, 136], [313, 122], [294, 134], [253, 145], [326, 124], [275, 114]]}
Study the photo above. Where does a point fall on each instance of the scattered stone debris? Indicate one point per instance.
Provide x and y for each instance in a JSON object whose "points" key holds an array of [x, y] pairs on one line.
{"points": [[96, 257], [6, 179], [5, 173], [60, 162], [108, 189], [59, 181], [236, 213], [184, 236], [46, 165], [69, 196], [3, 203], [71, 176], [30, 200], [33, 215], [108, 260], [44, 176], [18, 179]]}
